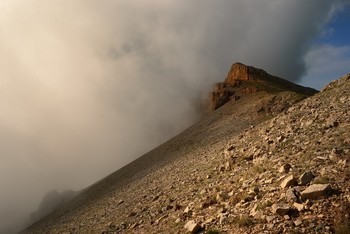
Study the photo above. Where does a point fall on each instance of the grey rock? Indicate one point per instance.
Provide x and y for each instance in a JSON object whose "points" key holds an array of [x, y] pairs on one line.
{"points": [[306, 178]]}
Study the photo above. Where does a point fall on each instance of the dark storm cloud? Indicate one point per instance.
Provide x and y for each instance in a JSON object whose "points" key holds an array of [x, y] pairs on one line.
{"points": [[87, 86]]}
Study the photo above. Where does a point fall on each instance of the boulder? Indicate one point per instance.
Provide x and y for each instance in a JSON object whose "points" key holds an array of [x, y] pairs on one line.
{"points": [[316, 191]]}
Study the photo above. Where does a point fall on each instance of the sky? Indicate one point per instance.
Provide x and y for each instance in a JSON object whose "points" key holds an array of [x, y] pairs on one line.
{"points": [[329, 56], [87, 86]]}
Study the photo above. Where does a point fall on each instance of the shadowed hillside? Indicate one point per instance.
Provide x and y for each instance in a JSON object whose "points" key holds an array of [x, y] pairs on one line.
{"points": [[263, 161]]}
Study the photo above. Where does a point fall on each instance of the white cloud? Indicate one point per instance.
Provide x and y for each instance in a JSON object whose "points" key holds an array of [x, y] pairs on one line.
{"points": [[326, 63]]}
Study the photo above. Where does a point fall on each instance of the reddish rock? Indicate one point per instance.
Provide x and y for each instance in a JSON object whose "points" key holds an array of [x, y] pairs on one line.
{"points": [[242, 80], [240, 71]]}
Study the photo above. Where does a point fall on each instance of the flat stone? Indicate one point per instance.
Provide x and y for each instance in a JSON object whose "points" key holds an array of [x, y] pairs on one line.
{"points": [[280, 209], [289, 182], [192, 226], [316, 191], [298, 222]]}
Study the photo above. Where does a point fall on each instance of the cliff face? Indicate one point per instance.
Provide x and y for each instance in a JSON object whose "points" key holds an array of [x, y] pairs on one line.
{"points": [[243, 79], [240, 71]]}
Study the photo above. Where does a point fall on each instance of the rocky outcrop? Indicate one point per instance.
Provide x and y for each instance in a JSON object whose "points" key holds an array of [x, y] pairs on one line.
{"points": [[240, 72], [243, 80]]}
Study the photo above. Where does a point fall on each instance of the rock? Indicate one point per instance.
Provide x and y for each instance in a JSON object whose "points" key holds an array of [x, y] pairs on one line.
{"points": [[192, 226], [292, 195], [280, 209], [253, 210], [259, 214], [132, 214], [236, 84], [160, 219], [288, 182], [270, 218], [133, 226], [210, 220], [297, 222], [189, 208], [298, 206], [285, 168], [306, 178], [316, 191]]}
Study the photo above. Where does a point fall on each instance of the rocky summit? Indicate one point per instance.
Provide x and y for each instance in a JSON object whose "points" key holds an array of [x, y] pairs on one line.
{"points": [[271, 161], [242, 80]]}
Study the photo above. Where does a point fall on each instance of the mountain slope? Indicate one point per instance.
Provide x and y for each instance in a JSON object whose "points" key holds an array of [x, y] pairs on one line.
{"points": [[223, 172]]}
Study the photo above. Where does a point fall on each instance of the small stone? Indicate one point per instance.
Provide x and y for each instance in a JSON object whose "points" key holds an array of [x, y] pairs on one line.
{"points": [[306, 178], [288, 182], [285, 168], [269, 181], [189, 208], [298, 206], [253, 210], [132, 214], [160, 219], [192, 226], [222, 218], [259, 214], [210, 220], [316, 191], [270, 218], [227, 166], [280, 209], [298, 222], [248, 157], [270, 226], [291, 195], [133, 226]]}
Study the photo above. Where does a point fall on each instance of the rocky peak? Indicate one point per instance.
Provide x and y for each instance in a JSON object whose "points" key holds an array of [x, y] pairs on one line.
{"points": [[240, 71], [242, 80]]}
